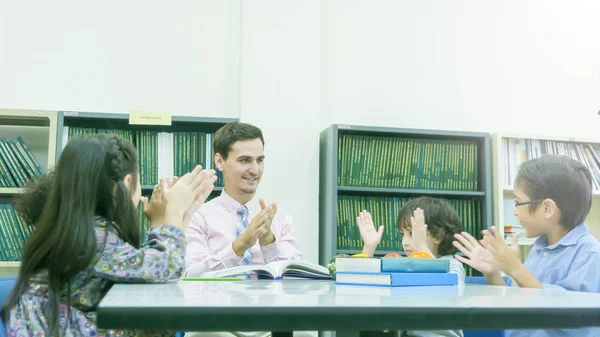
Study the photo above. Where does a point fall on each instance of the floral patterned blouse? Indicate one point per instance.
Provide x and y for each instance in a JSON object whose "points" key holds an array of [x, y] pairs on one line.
{"points": [[160, 259]]}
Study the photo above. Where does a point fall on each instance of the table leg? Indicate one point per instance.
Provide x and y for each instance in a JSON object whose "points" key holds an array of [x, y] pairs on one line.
{"points": [[282, 334], [386, 333]]}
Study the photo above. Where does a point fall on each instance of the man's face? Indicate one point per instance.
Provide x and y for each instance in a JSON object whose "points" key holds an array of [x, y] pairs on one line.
{"points": [[243, 168]]}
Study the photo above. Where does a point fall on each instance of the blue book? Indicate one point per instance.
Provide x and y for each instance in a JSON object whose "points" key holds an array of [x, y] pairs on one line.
{"points": [[379, 291], [397, 279], [391, 265], [414, 265]]}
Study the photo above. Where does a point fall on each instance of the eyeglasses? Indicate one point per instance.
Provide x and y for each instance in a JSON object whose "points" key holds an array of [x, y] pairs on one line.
{"points": [[517, 204]]}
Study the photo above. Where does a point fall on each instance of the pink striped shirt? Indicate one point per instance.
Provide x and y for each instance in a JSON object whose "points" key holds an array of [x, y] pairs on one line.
{"points": [[212, 232]]}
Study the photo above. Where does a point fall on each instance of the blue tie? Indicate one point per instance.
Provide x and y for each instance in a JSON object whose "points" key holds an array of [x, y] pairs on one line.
{"points": [[242, 225]]}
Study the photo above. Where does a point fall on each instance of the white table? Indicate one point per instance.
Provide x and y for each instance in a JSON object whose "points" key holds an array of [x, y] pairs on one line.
{"points": [[321, 305]]}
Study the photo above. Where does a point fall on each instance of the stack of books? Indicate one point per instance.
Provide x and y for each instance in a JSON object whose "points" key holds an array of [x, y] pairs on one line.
{"points": [[394, 272]]}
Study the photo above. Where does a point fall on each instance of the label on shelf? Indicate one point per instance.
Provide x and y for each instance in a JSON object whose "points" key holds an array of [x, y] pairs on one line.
{"points": [[149, 118]]}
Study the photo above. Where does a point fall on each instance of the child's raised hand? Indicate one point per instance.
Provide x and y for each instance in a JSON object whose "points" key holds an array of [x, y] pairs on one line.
{"points": [[369, 235], [504, 257], [476, 255], [192, 188], [419, 231], [206, 187], [155, 208]]}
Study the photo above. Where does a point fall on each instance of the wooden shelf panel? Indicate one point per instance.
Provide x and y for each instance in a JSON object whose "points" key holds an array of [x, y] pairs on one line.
{"points": [[35, 118], [9, 268], [149, 188], [403, 191], [10, 191]]}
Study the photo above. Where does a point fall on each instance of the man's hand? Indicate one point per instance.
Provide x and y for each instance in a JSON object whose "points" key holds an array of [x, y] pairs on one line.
{"points": [[267, 237], [256, 229]]}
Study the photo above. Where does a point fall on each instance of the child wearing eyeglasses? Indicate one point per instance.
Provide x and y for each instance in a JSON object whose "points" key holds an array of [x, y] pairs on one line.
{"points": [[553, 195]]}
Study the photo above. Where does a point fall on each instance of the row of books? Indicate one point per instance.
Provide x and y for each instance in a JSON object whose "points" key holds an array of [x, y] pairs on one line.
{"points": [[13, 234], [17, 163], [518, 151], [162, 154], [384, 211], [411, 163]]}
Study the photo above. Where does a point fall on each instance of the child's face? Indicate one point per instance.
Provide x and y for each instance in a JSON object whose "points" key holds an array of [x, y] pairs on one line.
{"points": [[535, 223], [407, 242]]}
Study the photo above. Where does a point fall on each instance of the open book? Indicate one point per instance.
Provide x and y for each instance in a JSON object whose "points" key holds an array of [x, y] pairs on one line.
{"points": [[275, 270]]}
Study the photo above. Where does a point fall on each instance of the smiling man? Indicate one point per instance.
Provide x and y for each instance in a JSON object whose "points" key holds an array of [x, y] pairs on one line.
{"points": [[237, 227]]}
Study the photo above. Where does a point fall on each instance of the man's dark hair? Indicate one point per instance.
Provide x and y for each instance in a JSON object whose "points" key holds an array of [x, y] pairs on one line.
{"points": [[233, 132]]}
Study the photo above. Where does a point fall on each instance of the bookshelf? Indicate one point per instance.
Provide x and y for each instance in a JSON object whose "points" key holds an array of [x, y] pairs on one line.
{"points": [[358, 170], [509, 150], [186, 150], [164, 150], [46, 133], [37, 131]]}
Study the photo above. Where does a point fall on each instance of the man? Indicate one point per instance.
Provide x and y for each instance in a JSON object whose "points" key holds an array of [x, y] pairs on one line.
{"points": [[237, 227]]}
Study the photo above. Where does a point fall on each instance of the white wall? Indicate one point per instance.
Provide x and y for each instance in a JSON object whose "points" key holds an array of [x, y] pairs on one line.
{"points": [[519, 66], [281, 94], [115, 56]]}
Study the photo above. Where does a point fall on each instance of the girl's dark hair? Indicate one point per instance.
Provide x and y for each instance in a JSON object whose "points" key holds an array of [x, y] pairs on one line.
{"points": [[562, 179], [29, 205], [441, 219], [86, 182]]}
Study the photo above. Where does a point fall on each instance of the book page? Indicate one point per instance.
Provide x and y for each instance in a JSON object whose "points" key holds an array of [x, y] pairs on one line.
{"points": [[241, 271], [299, 268]]}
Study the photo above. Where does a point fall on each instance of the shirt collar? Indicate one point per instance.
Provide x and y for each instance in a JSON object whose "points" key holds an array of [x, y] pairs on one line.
{"points": [[568, 240], [233, 205]]}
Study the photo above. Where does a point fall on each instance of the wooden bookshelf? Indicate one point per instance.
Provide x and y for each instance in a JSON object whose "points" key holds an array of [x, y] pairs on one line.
{"points": [[504, 192], [38, 131], [335, 189]]}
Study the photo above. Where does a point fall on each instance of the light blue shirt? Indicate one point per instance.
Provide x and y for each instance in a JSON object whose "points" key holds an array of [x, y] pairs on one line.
{"points": [[573, 263]]}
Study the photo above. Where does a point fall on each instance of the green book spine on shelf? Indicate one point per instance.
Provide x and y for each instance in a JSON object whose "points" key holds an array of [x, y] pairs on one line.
{"points": [[14, 168], [21, 161], [11, 248], [33, 163], [5, 248], [19, 237]]}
